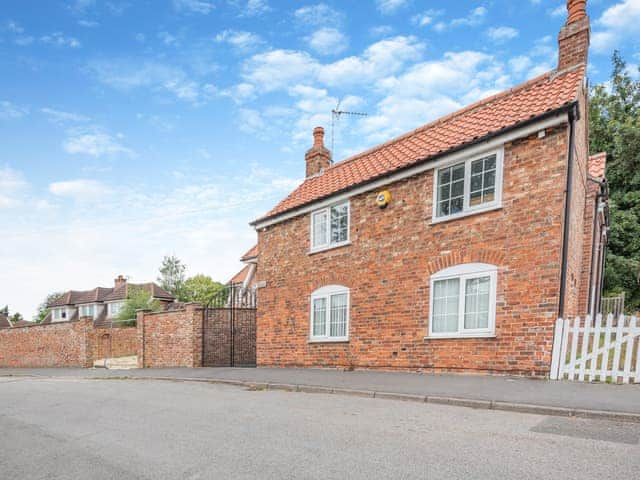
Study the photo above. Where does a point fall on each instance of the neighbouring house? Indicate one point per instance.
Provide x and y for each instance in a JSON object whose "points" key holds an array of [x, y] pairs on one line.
{"points": [[246, 278], [4, 321], [103, 304], [454, 247]]}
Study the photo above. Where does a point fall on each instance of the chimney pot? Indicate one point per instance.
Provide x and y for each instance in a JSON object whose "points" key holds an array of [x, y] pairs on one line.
{"points": [[119, 281], [573, 40], [576, 9], [317, 157], [318, 137]]}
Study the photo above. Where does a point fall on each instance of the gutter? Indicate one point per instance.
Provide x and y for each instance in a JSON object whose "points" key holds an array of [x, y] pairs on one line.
{"points": [[573, 116], [300, 209]]}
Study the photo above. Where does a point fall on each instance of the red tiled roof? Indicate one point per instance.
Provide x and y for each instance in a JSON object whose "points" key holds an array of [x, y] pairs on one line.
{"points": [[252, 253], [4, 321], [597, 164], [240, 276], [543, 94], [121, 292]]}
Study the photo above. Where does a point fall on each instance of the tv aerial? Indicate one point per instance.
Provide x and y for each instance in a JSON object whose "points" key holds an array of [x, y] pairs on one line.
{"points": [[336, 113]]}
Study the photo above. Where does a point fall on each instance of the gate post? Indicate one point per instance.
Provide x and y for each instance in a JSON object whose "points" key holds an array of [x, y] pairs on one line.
{"points": [[557, 348]]}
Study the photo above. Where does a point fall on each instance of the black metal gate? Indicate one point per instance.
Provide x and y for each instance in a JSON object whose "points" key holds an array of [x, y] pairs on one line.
{"points": [[229, 329]]}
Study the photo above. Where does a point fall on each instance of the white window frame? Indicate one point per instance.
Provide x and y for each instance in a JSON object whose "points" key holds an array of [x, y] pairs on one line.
{"points": [[465, 272], [326, 293], [109, 309], [86, 305], [328, 244], [467, 209], [56, 314]]}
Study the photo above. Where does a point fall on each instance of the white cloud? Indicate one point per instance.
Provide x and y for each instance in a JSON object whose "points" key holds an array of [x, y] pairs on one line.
{"points": [[12, 185], [425, 18], [279, 68], [381, 30], [319, 14], [558, 11], [617, 23], [391, 6], [240, 93], [58, 39], [502, 34], [520, 63], [380, 59], [9, 110], [168, 39], [128, 74], [194, 6], [239, 40], [475, 17], [60, 117], [13, 27], [88, 23], [327, 41], [94, 143], [79, 189], [254, 8]]}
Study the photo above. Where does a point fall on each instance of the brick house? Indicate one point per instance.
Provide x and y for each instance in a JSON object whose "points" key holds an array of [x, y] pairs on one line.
{"points": [[103, 304], [453, 247], [246, 278]]}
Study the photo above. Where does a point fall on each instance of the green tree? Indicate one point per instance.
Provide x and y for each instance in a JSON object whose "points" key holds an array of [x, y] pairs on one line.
{"points": [[201, 288], [137, 299], [614, 118], [16, 317], [43, 308], [172, 276]]}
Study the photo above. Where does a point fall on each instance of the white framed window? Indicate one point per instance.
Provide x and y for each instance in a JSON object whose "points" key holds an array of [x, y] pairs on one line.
{"points": [[113, 309], [330, 314], [58, 314], [463, 301], [86, 310], [330, 227], [468, 186]]}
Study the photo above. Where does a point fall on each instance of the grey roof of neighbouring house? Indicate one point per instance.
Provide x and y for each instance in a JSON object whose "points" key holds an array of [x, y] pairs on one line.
{"points": [[102, 294]]}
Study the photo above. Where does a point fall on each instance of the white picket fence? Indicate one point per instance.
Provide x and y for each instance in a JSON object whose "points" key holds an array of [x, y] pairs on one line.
{"points": [[585, 350]]}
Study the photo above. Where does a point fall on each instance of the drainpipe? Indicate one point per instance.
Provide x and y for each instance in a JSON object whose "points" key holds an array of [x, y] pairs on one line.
{"points": [[595, 258], [573, 114]]}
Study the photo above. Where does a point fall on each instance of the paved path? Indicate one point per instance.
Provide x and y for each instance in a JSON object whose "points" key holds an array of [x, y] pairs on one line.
{"points": [[69, 428], [509, 390]]}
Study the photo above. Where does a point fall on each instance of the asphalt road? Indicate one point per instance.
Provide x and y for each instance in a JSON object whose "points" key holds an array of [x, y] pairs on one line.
{"points": [[70, 428]]}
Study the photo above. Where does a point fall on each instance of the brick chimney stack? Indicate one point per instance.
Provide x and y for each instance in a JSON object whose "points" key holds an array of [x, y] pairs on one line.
{"points": [[119, 281], [573, 41], [317, 157]]}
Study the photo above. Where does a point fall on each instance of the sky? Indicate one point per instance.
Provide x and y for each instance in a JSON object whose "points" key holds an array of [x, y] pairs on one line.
{"points": [[134, 129]]}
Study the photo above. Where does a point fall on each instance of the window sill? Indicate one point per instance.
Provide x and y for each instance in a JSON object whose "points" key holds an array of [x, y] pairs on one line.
{"points": [[328, 340], [468, 213], [459, 336], [328, 247]]}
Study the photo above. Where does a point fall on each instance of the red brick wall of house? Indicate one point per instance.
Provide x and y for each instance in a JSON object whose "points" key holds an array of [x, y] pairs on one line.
{"points": [[64, 344], [577, 284], [170, 339], [394, 252]]}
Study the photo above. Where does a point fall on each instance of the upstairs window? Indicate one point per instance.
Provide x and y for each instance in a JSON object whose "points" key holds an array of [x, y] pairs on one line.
{"points": [[468, 186], [330, 314], [463, 301], [86, 310], [330, 227], [58, 314], [115, 308]]}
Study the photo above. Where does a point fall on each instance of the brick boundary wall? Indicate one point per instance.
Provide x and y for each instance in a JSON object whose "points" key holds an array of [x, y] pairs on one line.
{"points": [[64, 344], [113, 342], [170, 339]]}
